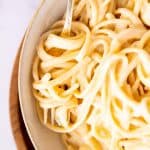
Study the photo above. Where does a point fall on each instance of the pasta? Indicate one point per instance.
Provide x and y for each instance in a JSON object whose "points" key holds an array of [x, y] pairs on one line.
{"points": [[93, 85]]}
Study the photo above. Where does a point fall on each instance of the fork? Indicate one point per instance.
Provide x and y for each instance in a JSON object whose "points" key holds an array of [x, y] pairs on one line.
{"points": [[68, 18]]}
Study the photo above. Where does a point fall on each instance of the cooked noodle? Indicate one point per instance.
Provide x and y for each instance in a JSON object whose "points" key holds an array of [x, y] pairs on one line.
{"points": [[93, 86]]}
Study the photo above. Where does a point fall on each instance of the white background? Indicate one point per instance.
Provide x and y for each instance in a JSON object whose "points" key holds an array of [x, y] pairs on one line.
{"points": [[15, 16]]}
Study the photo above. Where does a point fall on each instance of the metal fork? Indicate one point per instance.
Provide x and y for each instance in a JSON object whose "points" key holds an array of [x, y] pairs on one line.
{"points": [[68, 18]]}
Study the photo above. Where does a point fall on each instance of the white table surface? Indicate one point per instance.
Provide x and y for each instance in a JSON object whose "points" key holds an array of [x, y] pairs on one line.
{"points": [[14, 18]]}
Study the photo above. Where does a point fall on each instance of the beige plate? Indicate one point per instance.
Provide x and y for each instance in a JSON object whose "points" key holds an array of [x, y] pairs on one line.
{"points": [[41, 137]]}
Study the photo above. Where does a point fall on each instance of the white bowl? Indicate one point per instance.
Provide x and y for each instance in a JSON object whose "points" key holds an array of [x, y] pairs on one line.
{"points": [[41, 137]]}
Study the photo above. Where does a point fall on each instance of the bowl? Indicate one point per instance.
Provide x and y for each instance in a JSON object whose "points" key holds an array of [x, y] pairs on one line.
{"points": [[41, 137]]}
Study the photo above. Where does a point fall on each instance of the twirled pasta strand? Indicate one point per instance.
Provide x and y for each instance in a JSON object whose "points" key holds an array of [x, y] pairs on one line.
{"points": [[94, 84]]}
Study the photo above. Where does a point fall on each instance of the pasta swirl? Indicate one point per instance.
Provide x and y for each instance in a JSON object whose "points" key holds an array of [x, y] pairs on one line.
{"points": [[93, 86]]}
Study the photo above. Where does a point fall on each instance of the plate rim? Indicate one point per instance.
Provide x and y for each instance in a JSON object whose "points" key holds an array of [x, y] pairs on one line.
{"points": [[29, 27]]}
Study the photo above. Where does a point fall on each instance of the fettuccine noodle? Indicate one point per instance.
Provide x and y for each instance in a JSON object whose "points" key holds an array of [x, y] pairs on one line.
{"points": [[93, 85]]}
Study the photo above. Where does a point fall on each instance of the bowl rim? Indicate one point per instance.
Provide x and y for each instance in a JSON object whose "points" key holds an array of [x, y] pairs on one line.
{"points": [[45, 15], [27, 32]]}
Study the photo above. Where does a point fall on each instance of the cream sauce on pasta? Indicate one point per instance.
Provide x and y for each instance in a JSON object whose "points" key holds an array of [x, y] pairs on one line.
{"points": [[93, 86]]}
